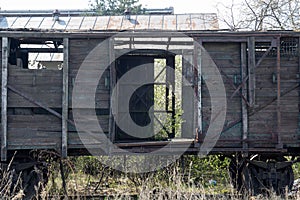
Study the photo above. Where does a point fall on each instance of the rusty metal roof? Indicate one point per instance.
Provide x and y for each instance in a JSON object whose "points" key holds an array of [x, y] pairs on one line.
{"points": [[180, 22]]}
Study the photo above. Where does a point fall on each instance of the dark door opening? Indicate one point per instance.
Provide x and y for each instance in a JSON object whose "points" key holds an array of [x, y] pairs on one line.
{"points": [[142, 99], [142, 104]]}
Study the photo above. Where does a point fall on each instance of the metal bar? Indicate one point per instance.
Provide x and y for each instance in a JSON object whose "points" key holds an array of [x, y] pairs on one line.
{"points": [[251, 70], [65, 100], [44, 13], [161, 124], [244, 93], [278, 95], [4, 99], [155, 79]]}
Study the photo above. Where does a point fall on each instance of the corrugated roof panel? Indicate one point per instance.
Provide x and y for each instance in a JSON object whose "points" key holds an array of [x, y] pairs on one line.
{"points": [[44, 57], [183, 22], [34, 22], [101, 23], [47, 23], [88, 23], [115, 23], [58, 57], [170, 22], [7, 22], [211, 21], [156, 22], [129, 24], [21, 22], [197, 22], [62, 23], [49, 57], [74, 23], [143, 22]]}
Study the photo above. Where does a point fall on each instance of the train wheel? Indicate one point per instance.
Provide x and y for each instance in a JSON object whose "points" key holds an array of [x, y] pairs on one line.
{"points": [[235, 167], [22, 184], [250, 180], [34, 179], [267, 174]]}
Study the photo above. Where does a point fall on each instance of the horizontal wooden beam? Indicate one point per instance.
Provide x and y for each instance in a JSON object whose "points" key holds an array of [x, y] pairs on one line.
{"points": [[42, 50]]}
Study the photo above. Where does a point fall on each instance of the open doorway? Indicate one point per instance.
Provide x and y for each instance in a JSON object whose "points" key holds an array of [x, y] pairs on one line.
{"points": [[151, 105]]}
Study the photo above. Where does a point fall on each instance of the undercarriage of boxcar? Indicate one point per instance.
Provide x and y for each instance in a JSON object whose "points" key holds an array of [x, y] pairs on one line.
{"points": [[154, 93]]}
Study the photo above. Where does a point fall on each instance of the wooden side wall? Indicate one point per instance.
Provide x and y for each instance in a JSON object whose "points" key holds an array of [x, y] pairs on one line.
{"points": [[262, 116], [30, 126], [263, 124], [227, 58], [99, 63]]}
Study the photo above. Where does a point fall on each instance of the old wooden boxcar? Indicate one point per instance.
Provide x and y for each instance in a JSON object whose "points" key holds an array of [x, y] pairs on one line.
{"points": [[236, 93]]}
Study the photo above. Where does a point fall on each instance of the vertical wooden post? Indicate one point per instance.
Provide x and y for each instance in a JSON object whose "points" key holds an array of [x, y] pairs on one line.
{"points": [[251, 70], [112, 78], [244, 93], [4, 99], [198, 86], [299, 88], [65, 100], [278, 95], [187, 102], [170, 76]]}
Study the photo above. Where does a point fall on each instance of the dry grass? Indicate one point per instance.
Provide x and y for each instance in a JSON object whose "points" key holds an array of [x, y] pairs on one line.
{"points": [[166, 184]]}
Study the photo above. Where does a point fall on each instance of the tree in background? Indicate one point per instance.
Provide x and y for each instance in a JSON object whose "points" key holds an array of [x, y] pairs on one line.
{"points": [[258, 15], [116, 7]]}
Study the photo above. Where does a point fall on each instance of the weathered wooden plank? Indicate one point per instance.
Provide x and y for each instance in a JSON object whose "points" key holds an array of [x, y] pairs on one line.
{"points": [[278, 107], [51, 99], [230, 67], [5, 49], [16, 71], [33, 138], [113, 80], [188, 123], [65, 100], [35, 122], [244, 93], [197, 62]]}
